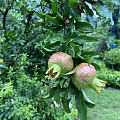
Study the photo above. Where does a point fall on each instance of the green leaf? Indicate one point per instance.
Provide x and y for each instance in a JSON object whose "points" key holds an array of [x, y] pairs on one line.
{"points": [[46, 49], [66, 83], [54, 7], [62, 83], [87, 59], [50, 20], [104, 11], [84, 27], [2, 66], [57, 38], [65, 103], [96, 65], [66, 10], [72, 2], [88, 9], [88, 102], [46, 38], [82, 38], [40, 14], [52, 91], [59, 93], [81, 105], [117, 2], [89, 53]]}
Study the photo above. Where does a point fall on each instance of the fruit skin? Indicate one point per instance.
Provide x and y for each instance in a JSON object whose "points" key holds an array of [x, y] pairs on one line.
{"points": [[85, 77], [59, 63]]}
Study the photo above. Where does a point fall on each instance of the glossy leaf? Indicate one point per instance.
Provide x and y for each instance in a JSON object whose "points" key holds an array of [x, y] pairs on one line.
{"points": [[104, 11], [56, 38], [46, 49], [88, 102], [84, 27], [54, 7], [117, 2], [90, 53], [46, 38], [81, 105], [96, 65], [84, 38], [65, 103]]}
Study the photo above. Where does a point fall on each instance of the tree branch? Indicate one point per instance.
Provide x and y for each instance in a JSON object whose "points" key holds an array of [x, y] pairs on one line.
{"points": [[4, 21], [4, 18]]}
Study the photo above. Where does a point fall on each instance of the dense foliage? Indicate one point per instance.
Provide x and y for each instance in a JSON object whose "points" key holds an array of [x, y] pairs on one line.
{"points": [[111, 76], [31, 31], [112, 58]]}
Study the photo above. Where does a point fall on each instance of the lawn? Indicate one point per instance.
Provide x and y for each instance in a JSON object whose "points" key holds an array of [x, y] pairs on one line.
{"points": [[107, 105]]}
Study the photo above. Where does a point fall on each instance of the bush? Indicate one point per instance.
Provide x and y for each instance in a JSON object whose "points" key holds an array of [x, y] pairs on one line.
{"points": [[21, 96], [112, 77], [112, 58]]}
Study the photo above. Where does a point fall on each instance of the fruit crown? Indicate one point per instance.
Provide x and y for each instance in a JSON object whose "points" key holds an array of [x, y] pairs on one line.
{"points": [[53, 72]]}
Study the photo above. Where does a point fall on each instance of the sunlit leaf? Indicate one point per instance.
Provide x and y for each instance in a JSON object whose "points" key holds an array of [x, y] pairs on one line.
{"points": [[104, 11]]}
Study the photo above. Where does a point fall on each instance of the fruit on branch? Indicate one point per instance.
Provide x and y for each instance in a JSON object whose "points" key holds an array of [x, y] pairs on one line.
{"points": [[85, 77], [59, 63]]}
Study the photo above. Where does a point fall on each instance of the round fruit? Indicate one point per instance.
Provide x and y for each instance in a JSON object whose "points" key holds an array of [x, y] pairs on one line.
{"points": [[85, 77], [59, 63]]}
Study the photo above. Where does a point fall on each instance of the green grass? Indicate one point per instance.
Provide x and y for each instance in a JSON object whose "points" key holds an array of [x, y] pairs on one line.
{"points": [[107, 105]]}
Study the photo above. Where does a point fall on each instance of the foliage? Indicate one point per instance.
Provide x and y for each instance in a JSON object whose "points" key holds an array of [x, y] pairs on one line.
{"points": [[31, 31], [21, 96], [112, 77], [112, 58]]}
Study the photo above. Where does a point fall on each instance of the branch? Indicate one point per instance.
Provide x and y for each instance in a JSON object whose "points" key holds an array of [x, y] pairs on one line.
{"points": [[4, 18], [29, 17]]}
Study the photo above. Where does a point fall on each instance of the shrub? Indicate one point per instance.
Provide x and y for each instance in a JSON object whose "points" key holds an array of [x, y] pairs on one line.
{"points": [[21, 96], [111, 77], [112, 58]]}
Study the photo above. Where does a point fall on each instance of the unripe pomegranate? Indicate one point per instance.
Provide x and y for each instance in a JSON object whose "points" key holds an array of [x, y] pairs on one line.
{"points": [[59, 63], [85, 77]]}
